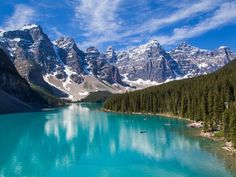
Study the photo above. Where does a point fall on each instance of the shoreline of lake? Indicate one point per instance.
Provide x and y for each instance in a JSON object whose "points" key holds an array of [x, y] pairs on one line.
{"points": [[228, 146]]}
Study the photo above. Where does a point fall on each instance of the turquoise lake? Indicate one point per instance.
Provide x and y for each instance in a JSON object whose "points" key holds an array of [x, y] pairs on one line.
{"points": [[81, 141]]}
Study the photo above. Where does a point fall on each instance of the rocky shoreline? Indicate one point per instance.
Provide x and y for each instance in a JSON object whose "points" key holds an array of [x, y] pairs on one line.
{"points": [[228, 146]]}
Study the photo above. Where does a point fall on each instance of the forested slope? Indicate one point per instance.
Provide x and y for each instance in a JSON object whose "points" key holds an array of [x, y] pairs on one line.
{"points": [[210, 98]]}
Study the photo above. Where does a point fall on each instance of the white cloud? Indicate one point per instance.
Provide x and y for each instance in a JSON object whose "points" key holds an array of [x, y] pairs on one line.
{"points": [[99, 17], [224, 15], [101, 22], [22, 15], [56, 33], [187, 11]]}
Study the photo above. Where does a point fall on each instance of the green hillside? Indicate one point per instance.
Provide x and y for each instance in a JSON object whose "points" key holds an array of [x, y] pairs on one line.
{"points": [[210, 98], [97, 97]]}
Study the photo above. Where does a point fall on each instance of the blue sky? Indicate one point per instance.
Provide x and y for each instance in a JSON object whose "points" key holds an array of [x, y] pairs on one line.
{"points": [[127, 23]]}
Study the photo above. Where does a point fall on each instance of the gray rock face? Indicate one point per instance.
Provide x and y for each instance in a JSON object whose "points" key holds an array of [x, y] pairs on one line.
{"points": [[152, 62], [92, 54], [99, 65], [69, 53], [148, 62], [110, 74], [33, 55], [71, 56], [32, 44], [194, 61], [110, 55]]}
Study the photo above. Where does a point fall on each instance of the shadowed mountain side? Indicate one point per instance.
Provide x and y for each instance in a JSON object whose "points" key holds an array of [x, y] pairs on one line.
{"points": [[10, 104], [16, 94]]}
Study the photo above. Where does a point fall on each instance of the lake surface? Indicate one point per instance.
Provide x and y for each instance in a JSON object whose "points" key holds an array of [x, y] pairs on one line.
{"points": [[80, 140]]}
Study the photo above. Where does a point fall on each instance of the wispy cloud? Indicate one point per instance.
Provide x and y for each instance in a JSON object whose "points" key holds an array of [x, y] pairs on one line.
{"points": [[98, 20], [125, 22], [101, 21], [96, 16], [224, 15], [186, 11], [56, 33], [22, 15]]}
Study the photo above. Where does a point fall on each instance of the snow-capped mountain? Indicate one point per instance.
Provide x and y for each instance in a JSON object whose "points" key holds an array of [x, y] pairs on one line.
{"points": [[194, 61], [33, 54], [149, 62], [60, 67], [64, 70]]}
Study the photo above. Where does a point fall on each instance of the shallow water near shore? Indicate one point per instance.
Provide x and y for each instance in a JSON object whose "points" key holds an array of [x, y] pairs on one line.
{"points": [[80, 140]]}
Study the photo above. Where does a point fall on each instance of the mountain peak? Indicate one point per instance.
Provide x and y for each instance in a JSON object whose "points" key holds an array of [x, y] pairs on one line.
{"points": [[185, 47], [153, 42], [1, 31], [92, 49], [184, 44], [151, 45], [29, 27], [110, 49], [65, 42], [224, 48]]}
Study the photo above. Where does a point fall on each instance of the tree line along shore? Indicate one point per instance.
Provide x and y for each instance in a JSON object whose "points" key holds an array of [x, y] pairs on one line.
{"points": [[209, 98]]}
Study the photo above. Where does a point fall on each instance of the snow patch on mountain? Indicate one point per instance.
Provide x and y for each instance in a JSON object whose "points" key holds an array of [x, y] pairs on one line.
{"points": [[29, 26]]}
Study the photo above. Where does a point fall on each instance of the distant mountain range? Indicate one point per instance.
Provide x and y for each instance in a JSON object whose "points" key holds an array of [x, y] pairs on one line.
{"points": [[66, 71]]}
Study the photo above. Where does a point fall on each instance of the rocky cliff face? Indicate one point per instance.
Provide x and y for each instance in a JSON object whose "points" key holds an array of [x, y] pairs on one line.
{"points": [[148, 62], [33, 54], [194, 61], [111, 55], [71, 57], [102, 65], [32, 44]]}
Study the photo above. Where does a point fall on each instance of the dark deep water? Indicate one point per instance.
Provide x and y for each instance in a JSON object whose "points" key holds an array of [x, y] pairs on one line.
{"points": [[80, 140]]}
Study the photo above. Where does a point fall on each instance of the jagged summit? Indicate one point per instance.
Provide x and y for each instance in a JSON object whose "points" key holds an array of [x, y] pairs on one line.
{"points": [[150, 44], [92, 49], [148, 62], [195, 61], [185, 47], [65, 42], [153, 42], [110, 49], [110, 54]]}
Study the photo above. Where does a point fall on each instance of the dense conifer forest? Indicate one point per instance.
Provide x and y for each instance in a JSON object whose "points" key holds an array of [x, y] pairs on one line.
{"points": [[210, 98]]}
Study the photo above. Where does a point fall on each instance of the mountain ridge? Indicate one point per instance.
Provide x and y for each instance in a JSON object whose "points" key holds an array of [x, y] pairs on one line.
{"points": [[66, 71]]}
